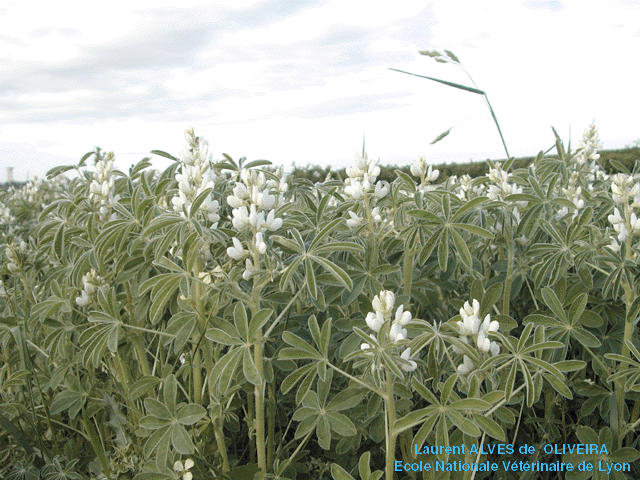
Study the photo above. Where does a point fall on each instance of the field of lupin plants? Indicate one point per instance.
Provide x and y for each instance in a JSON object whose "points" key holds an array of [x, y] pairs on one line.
{"points": [[218, 320]]}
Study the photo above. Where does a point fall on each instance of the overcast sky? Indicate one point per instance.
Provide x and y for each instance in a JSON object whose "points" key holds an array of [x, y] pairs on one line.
{"points": [[302, 81]]}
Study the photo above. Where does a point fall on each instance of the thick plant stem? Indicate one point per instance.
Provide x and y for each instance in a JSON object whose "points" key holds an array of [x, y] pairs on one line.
{"points": [[271, 426], [390, 408], [259, 418], [222, 447], [507, 281], [196, 367], [618, 431], [407, 273]]}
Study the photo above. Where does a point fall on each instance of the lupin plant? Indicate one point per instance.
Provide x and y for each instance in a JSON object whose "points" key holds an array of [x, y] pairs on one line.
{"points": [[218, 320]]}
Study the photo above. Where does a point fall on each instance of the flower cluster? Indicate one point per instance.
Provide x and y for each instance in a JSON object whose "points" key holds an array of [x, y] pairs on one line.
{"points": [[624, 189], [466, 189], [589, 146], [101, 188], [91, 281], [254, 201], [361, 182], [472, 328], [427, 175], [501, 187], [196, 175], [12, 252], [573, 193], [383, 305]]}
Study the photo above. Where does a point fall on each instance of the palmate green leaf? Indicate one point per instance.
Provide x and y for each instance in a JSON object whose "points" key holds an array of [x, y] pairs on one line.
{"points": [[241, 321], [490, 427], [310, 277], [314, 330], [157, 408], [68, 400], [224, 371], [181, 440], [290, 381], [323, 431], [249, 367], [551, 300], [426, 215], [162, 288], [461, 248], [257, 322], [428, 247], [181, 325], [322, 234], [170, 392], [332, 247], [341, 424], [470, 205], [443, 251], [465, 425], [94, 341], [413, 418], [228, 337], [143, 385], [300, 350], [337, 272], [585, 337], [286, 279], [339, 473], [558, 385]]}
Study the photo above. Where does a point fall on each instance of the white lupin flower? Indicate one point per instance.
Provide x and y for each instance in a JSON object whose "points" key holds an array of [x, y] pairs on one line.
{"points": [[90, 282], [83, 300], [354, 221], [250, 270], [397, 333], [272, 223], [374, 320], [260, 245], [466, 367], [383, 303], [240, 217], [381, 189], [365, 346], [402, 317], [432, 175], [419, 167], [616, 217], [483, 342], [184, 468], [375, 215], [354, 190], [471, 326], [236, 252], [406, 355], [614, 246]]}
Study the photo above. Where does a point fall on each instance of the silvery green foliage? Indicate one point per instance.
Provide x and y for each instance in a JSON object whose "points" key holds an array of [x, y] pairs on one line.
{"points": [[218, 319]]}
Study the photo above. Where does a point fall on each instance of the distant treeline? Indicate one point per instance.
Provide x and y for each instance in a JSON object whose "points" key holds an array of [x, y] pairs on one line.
{"points": [[626, 157]]}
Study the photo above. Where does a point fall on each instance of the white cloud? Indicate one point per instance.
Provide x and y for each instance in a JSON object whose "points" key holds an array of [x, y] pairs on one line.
{"points": [[302, 81]]}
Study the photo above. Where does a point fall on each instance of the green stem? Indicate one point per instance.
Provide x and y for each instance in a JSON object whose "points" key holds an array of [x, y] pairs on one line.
{"points": [[407, 272], [271, 426], [617, 430], [390, 422], [222, 446], [507, 281], [375, 390], [259, 418]]}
